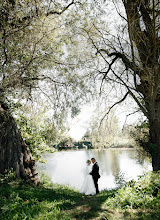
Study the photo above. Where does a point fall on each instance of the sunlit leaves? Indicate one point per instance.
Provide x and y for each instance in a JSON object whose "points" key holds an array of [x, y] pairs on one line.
{"points": [[144, 193]]}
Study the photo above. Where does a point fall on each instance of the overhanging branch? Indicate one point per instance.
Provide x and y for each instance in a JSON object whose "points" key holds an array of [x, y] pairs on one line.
{"points": [[62, 11], [128, 116], [125, 96], [36, 13], [129, 64], [41, 79]]}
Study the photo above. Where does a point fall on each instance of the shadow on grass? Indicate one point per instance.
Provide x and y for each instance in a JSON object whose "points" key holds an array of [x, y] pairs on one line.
{"points": [[22, 201], [91, 206], [32, 202]]}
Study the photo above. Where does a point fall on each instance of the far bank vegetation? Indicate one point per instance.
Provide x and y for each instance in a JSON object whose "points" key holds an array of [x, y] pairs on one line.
{"points": [[107, 133]]}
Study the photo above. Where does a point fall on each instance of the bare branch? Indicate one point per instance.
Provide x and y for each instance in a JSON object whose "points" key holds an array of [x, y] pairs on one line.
{"points": [[119, 11], [60, 12], [41, 79], [130, 65], [128, 116], [113, 106], [127, 62], [4, 49], [109, 68]]}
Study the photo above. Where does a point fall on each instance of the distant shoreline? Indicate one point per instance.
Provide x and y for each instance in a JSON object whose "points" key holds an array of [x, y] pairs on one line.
{"points": [[92, 148]]}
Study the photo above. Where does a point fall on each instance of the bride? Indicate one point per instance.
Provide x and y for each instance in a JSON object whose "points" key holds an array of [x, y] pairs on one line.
{"points": [[88, 187]]}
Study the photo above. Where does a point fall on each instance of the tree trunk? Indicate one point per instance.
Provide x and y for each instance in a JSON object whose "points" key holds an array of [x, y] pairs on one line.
{"points": [[154, 122], [142, 17], [13, 151]]}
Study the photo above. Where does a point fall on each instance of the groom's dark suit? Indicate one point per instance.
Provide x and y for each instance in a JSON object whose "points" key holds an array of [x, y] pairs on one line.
{"points": [[95, 175]]}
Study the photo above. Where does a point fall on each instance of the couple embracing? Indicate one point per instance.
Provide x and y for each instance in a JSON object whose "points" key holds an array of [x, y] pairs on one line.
{"points": [[90, 184]]}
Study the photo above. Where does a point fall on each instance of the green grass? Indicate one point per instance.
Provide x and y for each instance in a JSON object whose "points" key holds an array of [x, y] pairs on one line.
{"points": [[136, 200]]}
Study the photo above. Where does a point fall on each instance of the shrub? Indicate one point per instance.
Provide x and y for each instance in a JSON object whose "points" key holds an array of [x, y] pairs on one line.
{"points": [[142, 194]]}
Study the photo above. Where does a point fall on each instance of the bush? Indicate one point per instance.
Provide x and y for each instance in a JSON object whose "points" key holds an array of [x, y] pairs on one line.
{"points": [[142, 194]]}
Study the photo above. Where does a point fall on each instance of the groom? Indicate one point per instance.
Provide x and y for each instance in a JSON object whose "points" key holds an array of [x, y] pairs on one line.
{"points": [[95, 173]]}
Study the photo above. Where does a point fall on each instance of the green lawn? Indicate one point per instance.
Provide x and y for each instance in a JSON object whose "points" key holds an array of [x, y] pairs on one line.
{"points": [[136, 200]]}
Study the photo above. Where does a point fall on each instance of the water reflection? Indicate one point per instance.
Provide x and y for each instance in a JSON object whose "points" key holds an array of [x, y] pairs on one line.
{"points": [[116, 166]]}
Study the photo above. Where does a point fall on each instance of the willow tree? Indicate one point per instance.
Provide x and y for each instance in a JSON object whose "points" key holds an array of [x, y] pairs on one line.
{"points": [[32, 57], [131, 59]]}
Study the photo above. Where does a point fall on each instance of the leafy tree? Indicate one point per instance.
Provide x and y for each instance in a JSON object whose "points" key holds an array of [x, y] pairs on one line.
{"points": [[103, 133], [39, 129], [33, 38]]}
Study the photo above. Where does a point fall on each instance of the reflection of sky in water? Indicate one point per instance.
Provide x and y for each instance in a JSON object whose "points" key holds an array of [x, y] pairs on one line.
{"points": [[132, 169], [67, 167]]}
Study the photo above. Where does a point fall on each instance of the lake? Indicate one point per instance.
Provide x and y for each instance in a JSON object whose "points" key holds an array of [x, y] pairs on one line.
{"points": [[117, 166]]}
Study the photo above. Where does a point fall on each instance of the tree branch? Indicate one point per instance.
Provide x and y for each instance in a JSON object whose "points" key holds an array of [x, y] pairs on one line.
{"points": [[113, 106], [129, 64], [133, 67], [126, 61], [62, 11], [4, 49], [41, 79], [128, 116]]}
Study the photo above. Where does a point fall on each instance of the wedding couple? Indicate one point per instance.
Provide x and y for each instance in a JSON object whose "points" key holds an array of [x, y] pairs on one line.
{"points": [[90, 184]]}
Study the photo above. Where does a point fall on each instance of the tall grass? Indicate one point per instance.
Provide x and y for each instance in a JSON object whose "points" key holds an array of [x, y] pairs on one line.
{"points": [[19, 200]]}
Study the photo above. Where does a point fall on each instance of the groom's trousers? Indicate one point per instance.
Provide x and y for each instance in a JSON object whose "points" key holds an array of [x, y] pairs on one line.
{"points": [[96, 184]]}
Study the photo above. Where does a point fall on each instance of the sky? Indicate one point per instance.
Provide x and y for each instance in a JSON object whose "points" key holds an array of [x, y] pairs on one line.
{"points": [[80, 124]]}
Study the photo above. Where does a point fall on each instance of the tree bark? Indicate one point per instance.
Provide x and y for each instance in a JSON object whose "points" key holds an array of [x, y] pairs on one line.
{"points": [[154, 122], [14, 153]]}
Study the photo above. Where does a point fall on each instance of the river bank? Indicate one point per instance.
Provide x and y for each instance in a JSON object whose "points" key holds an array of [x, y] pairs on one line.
{"points": [[136, 200]]}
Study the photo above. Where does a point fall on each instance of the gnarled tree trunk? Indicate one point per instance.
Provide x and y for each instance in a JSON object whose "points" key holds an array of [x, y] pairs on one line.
{"points": [[13, 151]]}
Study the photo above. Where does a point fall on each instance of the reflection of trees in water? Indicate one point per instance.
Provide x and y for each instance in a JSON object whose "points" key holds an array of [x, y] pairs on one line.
{"points": [[138, 155], [108, 161], [88, 154], [142, 156], [101, 159], [115, 161]]}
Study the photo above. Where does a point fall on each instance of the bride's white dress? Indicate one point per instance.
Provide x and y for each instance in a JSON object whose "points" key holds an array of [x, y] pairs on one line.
{"points": [[88, 187]]}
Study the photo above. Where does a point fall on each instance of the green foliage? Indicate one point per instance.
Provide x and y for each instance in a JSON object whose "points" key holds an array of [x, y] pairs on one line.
{"points": [[39, 132], [21, 201], [8, 176], [105, 132], [140, 134], [143, 194], [17, 207], [33, 137], [45, 179]]}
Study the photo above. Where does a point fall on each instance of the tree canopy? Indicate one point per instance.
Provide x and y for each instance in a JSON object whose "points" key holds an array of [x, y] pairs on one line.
{"points": [[65, 50]]}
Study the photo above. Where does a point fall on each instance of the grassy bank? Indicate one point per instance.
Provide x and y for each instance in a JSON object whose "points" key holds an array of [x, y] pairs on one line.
{"points": [[136, 200]]}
